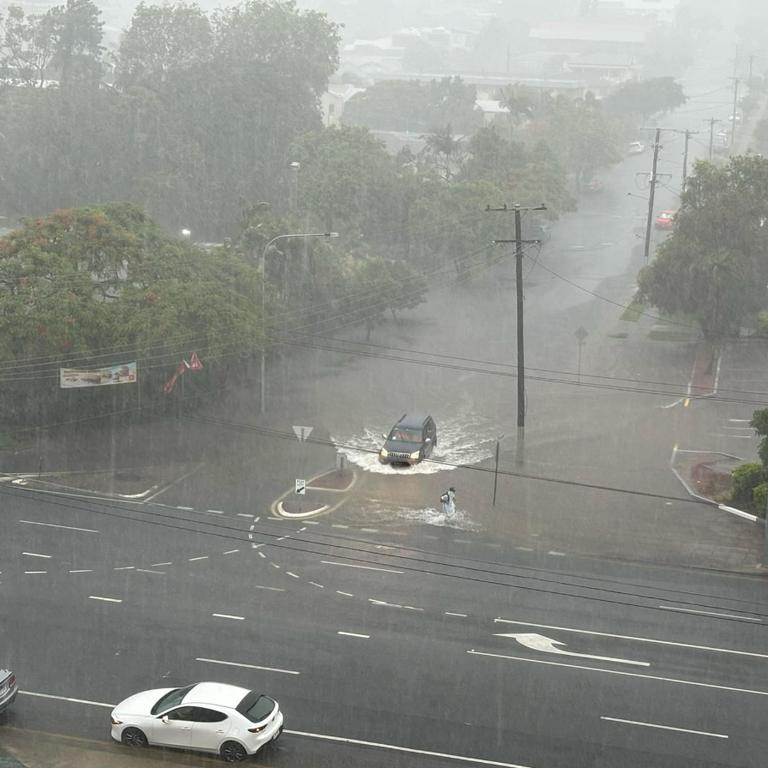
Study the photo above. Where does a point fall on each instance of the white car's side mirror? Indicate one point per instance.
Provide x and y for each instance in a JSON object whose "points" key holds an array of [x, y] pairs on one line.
{"points": [[164, 718]]}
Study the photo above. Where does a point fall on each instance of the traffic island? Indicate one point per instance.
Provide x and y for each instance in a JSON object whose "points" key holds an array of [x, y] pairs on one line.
{"points": [[320, 495], [706, 476]]}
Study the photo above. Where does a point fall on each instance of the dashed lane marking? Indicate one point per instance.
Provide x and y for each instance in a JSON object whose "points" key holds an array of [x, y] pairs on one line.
{"points": [[228, 616], [247, 666], [200, 557], [31, 573], [354, 634], [710, 613], [124, 568], [344, 594], [230, 552], [148, 570], [105, 599], [158, 565], [37, 554], [663, 727], [451, 613], [54, 525], [82, 570], [269, 589], [362, 567]]}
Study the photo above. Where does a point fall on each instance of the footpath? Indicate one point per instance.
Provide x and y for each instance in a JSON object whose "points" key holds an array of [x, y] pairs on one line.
{"points": [[21, 748]]}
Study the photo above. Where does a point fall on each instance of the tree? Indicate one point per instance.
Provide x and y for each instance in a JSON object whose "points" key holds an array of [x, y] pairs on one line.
{"points": [[78, 50], [578, 133], [27, 44], [81, 285], [714, 266], [161, 40], [638, 100], [409, 105]]}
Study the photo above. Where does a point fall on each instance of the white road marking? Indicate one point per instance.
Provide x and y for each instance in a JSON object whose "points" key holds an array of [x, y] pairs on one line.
{"points": [[201, 557], [124, 568], [83, 570], [228, 616], [709, 613], [248, 666], [369, 530], [345, 594], [269, 589], [274, 565], [240, 514], [337, 525], [663, 727], [35, 572], [66, 698], [54, 525], [740, 421], [619, 672], [353, 634], [261, 554], [363, 567], [105, 599], [315, 584], [290, 573], [547, 645], [215, 511], [554, 553], [157, 565], [460, 615], [407, 750], [230, 552], [147, 570], [633, 637], [525, 549], [35, 554], [186, 509]]}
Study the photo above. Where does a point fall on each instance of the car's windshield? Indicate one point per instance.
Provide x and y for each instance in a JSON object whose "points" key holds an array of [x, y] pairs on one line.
{"points": [[171, 699], [405, 435]]}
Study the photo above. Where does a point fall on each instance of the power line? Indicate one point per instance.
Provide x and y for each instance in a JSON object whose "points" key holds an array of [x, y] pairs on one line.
{"points": [[481, 571]]}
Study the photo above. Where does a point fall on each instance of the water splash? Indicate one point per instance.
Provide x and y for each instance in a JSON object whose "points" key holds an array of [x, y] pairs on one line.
{"points": [[462, 441]]}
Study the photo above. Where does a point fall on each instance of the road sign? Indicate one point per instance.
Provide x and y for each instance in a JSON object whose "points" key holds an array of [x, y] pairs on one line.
{"points": [[580, 333], [301, 487], [302, 433]]}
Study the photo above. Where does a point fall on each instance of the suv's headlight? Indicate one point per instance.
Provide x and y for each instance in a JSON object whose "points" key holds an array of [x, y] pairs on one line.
{"points": [[416, 454], [384, 453]]}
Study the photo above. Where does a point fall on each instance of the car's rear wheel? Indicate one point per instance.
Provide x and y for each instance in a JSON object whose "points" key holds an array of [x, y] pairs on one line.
{"points": [[232, 752], [134, 737]]}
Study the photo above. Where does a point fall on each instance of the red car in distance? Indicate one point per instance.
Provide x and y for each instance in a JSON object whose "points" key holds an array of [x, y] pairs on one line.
{"points": [[666, 219]]}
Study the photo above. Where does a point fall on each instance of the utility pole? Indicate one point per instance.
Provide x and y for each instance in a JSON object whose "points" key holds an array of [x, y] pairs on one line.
{"points": [[688, 135], [712, 121], [652, 195], [519, 242], [733, 114]]}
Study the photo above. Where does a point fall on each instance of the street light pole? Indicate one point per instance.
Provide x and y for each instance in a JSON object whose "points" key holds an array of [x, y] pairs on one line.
{"points": [[262, 400]]}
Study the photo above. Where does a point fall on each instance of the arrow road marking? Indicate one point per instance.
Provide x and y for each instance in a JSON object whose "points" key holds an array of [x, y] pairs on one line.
{"points": [[548, 645]]}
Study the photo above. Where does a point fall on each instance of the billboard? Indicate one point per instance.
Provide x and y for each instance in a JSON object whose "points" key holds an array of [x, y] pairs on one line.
{"points": [[75, 378]]}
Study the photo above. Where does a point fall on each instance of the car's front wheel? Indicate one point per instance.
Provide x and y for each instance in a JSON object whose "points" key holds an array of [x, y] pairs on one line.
{"points": [[232, 752], [134, 737]]}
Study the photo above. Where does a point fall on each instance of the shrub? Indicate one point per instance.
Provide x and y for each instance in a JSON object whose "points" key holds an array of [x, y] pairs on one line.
{"points": [[746, 479], [759, 499]]}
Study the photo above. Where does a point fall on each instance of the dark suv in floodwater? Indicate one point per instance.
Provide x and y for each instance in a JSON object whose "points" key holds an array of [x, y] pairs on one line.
{"points": [[412, 439]]}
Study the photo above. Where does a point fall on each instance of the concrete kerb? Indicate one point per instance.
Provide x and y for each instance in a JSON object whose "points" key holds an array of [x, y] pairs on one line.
{"points": [[278, 510], [704, 499]]}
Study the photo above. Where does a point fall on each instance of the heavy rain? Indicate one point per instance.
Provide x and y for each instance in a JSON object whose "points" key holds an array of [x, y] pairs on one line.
{"points": [[383, 383]]}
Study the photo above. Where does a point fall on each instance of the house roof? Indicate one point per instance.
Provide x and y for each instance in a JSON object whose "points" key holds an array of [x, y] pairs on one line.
{"points": [[592, 31]]}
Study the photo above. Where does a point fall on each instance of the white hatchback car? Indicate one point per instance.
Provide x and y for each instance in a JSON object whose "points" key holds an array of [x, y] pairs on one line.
{"points": [[207, 717]]}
